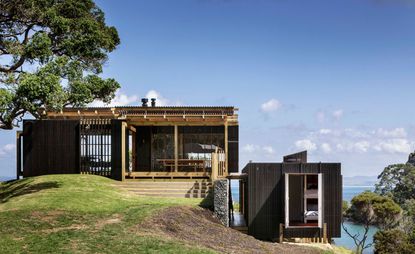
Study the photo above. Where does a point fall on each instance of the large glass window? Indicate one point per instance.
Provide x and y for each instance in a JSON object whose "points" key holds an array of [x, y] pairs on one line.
{"points": [[198, 142], [162, 148]]}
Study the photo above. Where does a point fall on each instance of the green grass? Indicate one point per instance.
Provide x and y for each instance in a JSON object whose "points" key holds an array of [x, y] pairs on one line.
{"points": [[80, 214]]}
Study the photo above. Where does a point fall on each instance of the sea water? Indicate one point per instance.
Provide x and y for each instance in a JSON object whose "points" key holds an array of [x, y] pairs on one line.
{"points": [[348, 193]]}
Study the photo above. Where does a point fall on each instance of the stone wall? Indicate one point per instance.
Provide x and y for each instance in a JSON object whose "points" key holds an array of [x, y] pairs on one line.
{"points": [[221, 200]]}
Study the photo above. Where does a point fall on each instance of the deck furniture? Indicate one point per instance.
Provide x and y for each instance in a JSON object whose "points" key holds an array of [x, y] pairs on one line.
{"points": [[183, 163]]}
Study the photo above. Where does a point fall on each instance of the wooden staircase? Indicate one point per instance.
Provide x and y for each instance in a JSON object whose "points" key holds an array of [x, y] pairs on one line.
{"points": [[171, 189]]}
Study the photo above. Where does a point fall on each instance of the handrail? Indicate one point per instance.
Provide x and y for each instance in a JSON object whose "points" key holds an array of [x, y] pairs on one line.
{"points": [[219, 164]]}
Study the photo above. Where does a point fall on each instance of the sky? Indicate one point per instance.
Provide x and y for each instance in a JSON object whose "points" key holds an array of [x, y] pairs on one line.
{"points": [[332, 77]]}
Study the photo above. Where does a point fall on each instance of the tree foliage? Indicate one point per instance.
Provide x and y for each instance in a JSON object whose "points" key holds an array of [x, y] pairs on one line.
{"points": [[397, 181], [369, 209], [392, 241], [51, 55]]}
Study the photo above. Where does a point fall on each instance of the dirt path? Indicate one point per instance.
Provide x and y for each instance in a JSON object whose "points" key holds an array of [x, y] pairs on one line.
{"points": [[196, 226]]}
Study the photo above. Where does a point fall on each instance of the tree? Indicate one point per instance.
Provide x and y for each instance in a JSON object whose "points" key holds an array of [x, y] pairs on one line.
{"points": [[345, 207], [392, 241], [51, 55], [369, 209], [397, 181], [407, 223]]}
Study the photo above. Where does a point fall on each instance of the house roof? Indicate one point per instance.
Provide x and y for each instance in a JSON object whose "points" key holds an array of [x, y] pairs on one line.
{"points": [[195, 114]]}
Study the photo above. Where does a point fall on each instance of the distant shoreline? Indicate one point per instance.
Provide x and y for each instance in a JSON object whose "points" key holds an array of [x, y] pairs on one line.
{"points": [[359, 186]]}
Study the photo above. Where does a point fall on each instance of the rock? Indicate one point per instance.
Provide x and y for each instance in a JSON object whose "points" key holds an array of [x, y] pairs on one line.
{"points": [[221, 201], [411, 159]]}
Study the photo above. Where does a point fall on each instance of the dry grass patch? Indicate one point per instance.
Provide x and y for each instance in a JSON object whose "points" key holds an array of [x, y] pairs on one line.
{"points": [[197, 226]]}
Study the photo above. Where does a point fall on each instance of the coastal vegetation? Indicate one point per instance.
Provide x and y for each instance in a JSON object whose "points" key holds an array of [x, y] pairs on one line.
{"points": [[397, 182], [368, 209], [391, 208], [52, 56]]}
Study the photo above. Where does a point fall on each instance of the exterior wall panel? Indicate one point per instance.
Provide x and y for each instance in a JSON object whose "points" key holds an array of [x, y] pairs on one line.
{"points": [[116, 153], [265, 195], [266, 199], [233, 149], [50, 147]]}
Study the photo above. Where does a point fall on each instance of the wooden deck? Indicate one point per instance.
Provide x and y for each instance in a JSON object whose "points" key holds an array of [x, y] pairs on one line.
{"points": [[170, 175]]}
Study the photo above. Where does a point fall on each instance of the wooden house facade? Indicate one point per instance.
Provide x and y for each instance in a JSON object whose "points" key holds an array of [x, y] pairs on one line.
{"points": [[145, 141], [292, 199]]}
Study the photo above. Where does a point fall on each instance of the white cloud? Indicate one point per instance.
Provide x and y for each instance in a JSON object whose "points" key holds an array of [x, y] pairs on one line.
{"points": [[397, 145], [9, 147], [249, 148], [362, 146], [306, 144], [268, 149], [271, 105], [359, 140], [325, 131], [161, 100], [121, 99], [323, 116], [6, 149], [393, 133], [326, 148]]}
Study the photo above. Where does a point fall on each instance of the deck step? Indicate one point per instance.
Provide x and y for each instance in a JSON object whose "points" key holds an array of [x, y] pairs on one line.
{"points": [[166, 190], [176, 189], [169, 195]]}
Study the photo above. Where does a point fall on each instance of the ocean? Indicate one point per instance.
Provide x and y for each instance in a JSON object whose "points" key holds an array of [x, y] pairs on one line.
{"points": [[348, 193]]}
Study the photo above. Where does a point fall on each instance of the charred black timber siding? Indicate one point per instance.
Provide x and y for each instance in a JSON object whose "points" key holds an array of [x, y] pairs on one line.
{"points": [[233, 149], [266, 198], [50, 147], [300, 157], [143, 148], [116, 155]]}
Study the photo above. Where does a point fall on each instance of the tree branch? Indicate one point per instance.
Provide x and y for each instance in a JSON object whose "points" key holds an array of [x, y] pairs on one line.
{"points": [[22, 59]]}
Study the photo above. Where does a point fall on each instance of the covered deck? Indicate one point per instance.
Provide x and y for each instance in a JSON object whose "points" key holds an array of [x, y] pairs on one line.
{"points": [[157, 142]]}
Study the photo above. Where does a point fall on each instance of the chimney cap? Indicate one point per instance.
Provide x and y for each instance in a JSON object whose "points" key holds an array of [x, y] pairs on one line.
{"points": [[153, 102], [144, 102]]}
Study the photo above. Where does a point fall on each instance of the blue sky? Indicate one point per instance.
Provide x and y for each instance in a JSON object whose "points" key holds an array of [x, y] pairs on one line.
{"points": [[334, 77]]}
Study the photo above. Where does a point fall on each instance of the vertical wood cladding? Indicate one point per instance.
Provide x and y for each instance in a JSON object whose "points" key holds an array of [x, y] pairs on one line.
{"points": [[116, 155], [266, 198], [300, 157], [50, 147], [265, 194], [143, 148], [233, 149]]}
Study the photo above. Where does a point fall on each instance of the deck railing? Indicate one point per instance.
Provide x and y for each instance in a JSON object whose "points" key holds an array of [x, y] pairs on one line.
{"points": [[95, 147], [219, 164]]}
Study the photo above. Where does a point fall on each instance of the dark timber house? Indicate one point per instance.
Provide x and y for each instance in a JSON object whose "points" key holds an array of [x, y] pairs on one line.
{"points": [[292, 199], [144, 141]]}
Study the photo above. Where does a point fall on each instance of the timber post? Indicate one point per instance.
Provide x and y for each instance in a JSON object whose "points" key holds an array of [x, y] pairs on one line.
{"points": [[281, 239], [176, 148]]}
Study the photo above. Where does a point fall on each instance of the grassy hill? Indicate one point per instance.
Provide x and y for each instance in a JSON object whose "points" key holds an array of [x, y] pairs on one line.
{"points": [[90, 214]]}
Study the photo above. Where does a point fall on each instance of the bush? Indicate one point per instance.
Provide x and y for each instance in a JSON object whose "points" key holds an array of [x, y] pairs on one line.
{"points": [[393, 241], [345, 207]]}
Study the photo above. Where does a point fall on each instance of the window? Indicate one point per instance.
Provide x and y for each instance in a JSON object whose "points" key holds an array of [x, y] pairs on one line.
{"points": [[303, 200], [199, 142]]}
